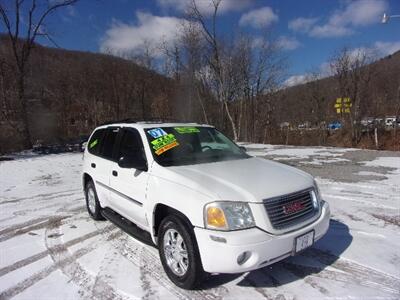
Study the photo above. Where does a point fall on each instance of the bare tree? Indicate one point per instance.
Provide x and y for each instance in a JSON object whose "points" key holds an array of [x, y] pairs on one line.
{"points": [[238, 73], [22, 36], [184, 61], [353, 71], [315, 97], [261, 67], [7, 92], [219, 60]]}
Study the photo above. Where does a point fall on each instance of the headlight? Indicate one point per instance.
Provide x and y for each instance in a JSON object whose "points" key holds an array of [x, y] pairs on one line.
{"points": [[316, 195], [228, 216]]}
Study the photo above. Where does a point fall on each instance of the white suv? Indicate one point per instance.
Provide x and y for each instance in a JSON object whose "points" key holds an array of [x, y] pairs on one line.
{"points": [[207, 205]]}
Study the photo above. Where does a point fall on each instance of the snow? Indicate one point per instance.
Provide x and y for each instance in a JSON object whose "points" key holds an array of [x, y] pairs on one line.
{"points": [[389, 162], [51, 249]]}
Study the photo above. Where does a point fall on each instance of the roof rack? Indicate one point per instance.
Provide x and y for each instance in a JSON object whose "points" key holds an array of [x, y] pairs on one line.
{"points": [[147, 120]]}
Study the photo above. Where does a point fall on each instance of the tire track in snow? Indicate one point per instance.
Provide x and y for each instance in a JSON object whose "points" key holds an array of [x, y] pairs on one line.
{"points": [[47, 196], [273, 291], [54, 249], [35, 224], [22, 225], [40, 225], [61, 263], [368, 203], [101, 281], [347, 271], [142, 257], [92, 287], [42, 209], [303, 271]]}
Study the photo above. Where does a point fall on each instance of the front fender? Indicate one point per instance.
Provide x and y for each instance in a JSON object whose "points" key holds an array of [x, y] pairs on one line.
{"points": [[179, 197]]}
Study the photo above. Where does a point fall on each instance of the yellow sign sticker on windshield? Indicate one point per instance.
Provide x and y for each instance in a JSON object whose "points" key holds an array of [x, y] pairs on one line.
{"points": [[166, 148], [164, 143], [183, 130]]}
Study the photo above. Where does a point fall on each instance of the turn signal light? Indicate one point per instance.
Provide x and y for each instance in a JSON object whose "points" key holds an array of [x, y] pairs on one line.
{"points": [[216, 217]]}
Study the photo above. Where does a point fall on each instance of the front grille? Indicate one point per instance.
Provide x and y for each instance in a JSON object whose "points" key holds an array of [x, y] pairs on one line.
{"points": [[288, 210]]}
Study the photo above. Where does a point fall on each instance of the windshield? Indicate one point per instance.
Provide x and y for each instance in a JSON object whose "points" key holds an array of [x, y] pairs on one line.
{"points": [[185, 145]]}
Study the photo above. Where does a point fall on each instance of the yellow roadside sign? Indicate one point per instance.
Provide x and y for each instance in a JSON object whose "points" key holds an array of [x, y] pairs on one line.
{"points": [[343, 105]]}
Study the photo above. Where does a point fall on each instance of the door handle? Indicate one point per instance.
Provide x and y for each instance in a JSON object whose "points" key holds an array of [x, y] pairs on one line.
{"points": [[93, 165], [115, 173]]}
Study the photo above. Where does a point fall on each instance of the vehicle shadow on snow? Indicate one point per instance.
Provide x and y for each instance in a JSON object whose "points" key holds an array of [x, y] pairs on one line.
{"points": [[312, 261]]}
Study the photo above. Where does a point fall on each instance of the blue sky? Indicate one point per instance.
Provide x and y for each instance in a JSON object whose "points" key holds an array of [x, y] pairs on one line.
{"points": [[309, 30]]}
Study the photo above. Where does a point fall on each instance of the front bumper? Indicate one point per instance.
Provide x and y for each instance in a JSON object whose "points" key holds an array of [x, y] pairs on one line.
{"points": [[219, 251]]}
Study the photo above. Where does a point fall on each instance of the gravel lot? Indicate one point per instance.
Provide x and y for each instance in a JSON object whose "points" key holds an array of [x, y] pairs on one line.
{"points": [[51, 249]]}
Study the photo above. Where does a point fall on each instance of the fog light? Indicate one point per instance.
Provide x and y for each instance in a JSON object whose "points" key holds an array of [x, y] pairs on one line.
{"points": [[242, 258]]}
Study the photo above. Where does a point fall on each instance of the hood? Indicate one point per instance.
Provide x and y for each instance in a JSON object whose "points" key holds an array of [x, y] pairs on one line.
{"points": [[251, 180]]}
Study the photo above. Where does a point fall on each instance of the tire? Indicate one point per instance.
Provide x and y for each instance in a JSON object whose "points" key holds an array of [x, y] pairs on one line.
{"points": [[92, 204], [194, 273]]}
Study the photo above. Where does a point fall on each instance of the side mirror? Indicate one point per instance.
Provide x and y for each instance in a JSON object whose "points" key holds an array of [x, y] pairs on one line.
{"points": [[132, 162], [243, 148]]}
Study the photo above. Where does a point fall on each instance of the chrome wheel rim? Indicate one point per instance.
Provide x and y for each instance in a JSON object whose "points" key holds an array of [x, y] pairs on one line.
{"points": [[175, 252], [91, 200]]}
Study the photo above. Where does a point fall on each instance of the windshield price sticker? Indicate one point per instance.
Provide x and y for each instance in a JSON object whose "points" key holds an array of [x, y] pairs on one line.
{"points": [[164, 143], [166, 148], [94, 143], [183, 130], [156, 132]]}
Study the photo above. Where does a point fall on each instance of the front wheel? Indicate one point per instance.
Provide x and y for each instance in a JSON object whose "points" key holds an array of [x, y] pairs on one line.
{"points": [[179, 254]]}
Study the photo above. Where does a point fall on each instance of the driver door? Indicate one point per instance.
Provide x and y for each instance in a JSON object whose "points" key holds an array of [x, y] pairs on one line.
{"points": [[128, 185]]}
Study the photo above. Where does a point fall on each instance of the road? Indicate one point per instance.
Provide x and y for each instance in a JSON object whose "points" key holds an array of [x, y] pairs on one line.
{"points": [[51, 249]]}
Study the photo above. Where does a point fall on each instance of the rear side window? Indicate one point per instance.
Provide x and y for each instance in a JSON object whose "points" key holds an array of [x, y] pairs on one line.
{"points": [[95, 142], [108, 143]]}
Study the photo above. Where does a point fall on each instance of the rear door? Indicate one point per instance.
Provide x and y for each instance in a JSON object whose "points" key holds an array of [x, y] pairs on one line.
{"points": [[103, 163], [94, 164], [129, 185]]}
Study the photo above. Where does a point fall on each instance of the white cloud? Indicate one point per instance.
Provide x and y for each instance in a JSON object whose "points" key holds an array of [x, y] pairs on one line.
{"points": [[325, 69], [360, 13], [206, 6], [288, 43], [329, 30], [122, 38], [378, 49], [296, 80], [387, 48], [302, 24], [259, 18], [342, 22]]}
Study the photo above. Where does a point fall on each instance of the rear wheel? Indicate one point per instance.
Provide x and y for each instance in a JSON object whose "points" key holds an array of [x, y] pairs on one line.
{"points": [[92, 202], [179, 253]]}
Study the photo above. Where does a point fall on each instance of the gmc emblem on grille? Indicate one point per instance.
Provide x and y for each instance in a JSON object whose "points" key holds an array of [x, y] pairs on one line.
{"points": [[291, 208]]}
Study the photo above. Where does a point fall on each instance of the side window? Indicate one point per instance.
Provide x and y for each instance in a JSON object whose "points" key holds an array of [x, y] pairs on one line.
{"points": [[131, 144], [108, 143], [96, 141]]}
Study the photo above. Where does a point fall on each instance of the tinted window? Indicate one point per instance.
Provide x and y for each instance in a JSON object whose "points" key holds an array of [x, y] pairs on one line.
{"points": [[96, 141], [185, 145], [131, 144], [108, 143]]}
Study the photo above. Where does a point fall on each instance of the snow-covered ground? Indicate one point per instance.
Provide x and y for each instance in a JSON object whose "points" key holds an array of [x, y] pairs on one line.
{"points": [[51, 249]]}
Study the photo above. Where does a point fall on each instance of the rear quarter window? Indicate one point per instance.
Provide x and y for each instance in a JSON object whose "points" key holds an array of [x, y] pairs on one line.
{"points": [[95, 141]]}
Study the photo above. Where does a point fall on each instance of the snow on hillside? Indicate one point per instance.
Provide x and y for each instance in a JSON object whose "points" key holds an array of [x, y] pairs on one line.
{"points": [[50, 248]]}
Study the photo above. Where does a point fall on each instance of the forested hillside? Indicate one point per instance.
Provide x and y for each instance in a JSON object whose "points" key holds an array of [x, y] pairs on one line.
{"points": [[314, 101], [70, 92]]}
